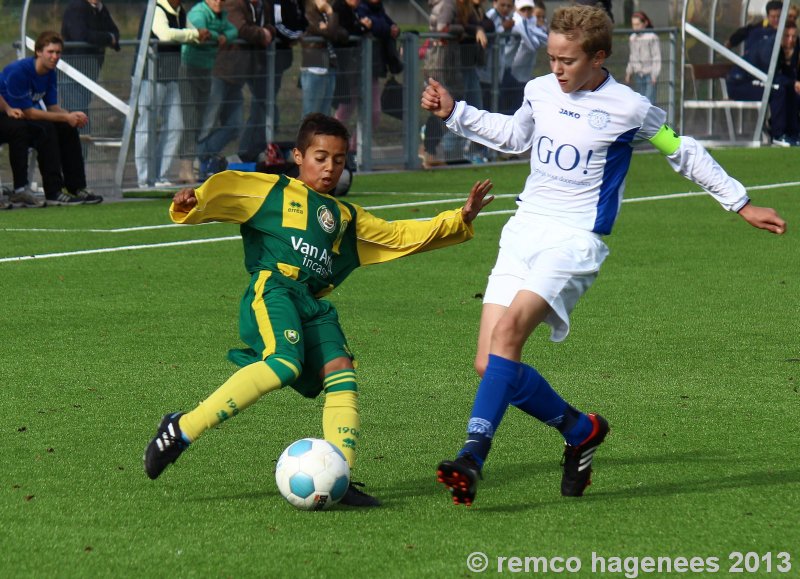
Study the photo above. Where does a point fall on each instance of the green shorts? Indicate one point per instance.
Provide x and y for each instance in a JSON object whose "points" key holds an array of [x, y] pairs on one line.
{"points": [[279, 316]]}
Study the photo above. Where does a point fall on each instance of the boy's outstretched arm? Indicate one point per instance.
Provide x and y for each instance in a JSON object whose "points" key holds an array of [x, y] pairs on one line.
{"points": [[476, 200], [689, 158], [437, 99]]}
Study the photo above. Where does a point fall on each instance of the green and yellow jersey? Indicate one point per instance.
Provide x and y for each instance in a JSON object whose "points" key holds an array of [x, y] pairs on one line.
{"points": [[312, 238]]}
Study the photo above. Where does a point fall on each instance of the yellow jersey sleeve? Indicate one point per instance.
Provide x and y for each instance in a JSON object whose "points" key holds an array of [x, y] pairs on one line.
{"points": [[229, 196], [378, 240]]}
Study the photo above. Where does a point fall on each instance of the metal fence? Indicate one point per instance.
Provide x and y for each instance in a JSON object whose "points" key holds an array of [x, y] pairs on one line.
{"points": [[389, 135]]}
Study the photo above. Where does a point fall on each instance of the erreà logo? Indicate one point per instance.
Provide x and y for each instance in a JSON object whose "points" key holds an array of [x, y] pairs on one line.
{"points": [[295, 207], [292, 336], [326, 219]]}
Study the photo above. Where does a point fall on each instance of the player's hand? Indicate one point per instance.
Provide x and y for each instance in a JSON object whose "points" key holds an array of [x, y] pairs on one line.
{"points": [[763, 218], [477, 200], [184, 200], [437, 99], [15, 113]]}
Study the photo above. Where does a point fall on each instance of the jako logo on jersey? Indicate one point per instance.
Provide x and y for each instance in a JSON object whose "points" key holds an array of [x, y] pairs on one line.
{"points": [[326, 219], [295, 207], [292, 336], [599, 119], [570, 114]]}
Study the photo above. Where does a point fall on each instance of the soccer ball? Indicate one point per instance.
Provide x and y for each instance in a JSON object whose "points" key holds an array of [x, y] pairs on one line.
{"points": [[312, 474]]}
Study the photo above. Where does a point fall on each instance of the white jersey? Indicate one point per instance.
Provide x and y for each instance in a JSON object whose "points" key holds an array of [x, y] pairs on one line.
{"points": [[581, 145]]}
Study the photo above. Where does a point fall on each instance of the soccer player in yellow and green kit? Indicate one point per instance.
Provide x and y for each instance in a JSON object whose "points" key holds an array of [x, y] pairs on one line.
{"points": [[299, 243]]}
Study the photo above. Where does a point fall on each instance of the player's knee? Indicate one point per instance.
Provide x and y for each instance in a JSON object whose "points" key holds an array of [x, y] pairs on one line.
{"points": [[508, 334], [336, 365]]}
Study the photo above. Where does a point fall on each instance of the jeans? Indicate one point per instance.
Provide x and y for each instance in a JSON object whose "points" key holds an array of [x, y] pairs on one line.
{"points": [[344, 112], [317, 91], [642, 83], [222, 119], [254, 137], [158, 101]]}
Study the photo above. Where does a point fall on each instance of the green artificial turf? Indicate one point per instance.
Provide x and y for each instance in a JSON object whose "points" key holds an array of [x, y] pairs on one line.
{"points": [[687, 343]]}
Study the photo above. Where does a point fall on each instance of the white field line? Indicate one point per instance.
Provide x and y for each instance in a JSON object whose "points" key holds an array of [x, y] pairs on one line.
{"points": [[114, 249], [372, 208]]}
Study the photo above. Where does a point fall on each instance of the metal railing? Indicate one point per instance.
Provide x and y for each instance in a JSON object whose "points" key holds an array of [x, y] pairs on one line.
{"points": [[380, 141]]}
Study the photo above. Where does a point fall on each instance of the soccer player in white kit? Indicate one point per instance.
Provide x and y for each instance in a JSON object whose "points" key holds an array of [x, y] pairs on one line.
{"points": [[579, 125]]}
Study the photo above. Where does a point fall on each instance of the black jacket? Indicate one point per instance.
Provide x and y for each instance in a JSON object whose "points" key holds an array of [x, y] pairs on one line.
{"points": [[82, 22]]}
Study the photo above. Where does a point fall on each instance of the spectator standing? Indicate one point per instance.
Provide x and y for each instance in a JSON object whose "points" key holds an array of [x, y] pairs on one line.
{"points": [[644, 63], [238, 65], [502, 16], [173, 29], [198, 60], [346, 93], [31, 85], [439, 62], [385, 58], [530, 33], [319, 59], [289, 19], [86, 21]]}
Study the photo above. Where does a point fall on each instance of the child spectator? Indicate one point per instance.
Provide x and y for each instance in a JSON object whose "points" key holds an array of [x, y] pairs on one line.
{"points": [[644, 63]]}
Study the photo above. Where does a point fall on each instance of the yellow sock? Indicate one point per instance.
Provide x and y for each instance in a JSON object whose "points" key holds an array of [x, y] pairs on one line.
{"points": [[341, 424], [241, 390]]}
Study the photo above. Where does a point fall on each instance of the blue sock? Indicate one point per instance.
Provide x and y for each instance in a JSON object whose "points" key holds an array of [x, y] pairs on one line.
{"points": [[491, 400], [536, 397]]}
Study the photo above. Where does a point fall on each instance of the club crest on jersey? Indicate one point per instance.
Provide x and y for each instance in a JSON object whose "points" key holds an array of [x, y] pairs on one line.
{"points": [[599, 119], [326, 219], [292, 336]]}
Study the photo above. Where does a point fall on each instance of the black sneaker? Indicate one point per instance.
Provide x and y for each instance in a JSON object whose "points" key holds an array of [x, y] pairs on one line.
{"points": [[460, 476], [166, 446], [355, 497], [88, 197], [577, 461], [64, 198]]}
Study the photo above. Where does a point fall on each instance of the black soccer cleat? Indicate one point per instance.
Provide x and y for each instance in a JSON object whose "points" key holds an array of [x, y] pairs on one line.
{"points": [[355, 497], [460, 476], [577, 461], [166, 446]]}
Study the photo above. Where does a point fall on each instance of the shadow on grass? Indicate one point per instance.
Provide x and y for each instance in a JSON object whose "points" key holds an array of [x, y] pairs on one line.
{"points": [[514, 473]]}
